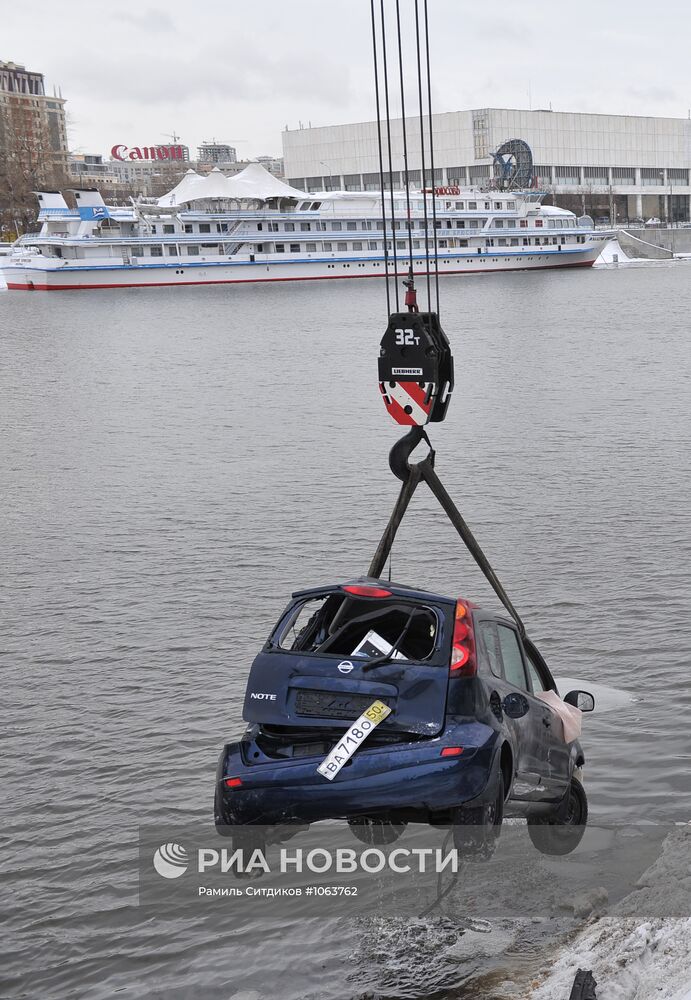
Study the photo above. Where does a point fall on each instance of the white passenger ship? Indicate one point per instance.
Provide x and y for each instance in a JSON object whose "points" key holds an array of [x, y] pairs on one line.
{"points": [[253, 227]]}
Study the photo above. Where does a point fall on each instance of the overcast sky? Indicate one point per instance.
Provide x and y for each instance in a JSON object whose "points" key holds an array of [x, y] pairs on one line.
{"points": [[241, 70]]}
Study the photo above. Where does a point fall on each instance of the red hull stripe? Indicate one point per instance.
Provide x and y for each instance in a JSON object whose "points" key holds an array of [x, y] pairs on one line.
{"points": [[263, 281]]}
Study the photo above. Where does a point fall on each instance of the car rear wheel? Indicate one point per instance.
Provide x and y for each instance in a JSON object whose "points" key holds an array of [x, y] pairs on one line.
{"points": [[561, 833], [223, 823], [476, 829], [374, 830]]}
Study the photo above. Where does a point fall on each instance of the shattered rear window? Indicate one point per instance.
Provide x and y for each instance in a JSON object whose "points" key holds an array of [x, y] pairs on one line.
{"points": [[340, 625]]}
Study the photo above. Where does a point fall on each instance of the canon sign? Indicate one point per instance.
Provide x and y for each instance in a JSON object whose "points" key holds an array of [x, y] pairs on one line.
{"points": [[120, 152]]}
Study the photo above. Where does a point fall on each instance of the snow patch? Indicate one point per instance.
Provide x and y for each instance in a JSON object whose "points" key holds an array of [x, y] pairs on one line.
{"points": [[633, 959]]}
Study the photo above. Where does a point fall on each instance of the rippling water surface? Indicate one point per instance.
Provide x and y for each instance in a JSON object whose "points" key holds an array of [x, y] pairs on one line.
{"points": [[174, 462]]}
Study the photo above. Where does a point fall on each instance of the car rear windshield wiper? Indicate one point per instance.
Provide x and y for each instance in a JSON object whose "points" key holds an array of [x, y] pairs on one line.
{"points": [[385, 657]]}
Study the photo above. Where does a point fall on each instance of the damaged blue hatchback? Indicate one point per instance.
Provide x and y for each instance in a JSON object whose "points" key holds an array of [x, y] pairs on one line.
{"points": [[468, 729]]}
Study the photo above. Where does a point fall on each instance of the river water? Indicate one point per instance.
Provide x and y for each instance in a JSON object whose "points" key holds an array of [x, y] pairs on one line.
{"points": [[174, 462]]}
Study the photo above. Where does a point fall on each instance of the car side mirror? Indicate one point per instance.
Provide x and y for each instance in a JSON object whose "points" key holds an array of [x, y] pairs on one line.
{"points": [[515, 705], [581, 699]]}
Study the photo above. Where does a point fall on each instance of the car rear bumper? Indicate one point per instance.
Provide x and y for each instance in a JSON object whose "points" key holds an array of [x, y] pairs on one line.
{"points": [[410, 777]]}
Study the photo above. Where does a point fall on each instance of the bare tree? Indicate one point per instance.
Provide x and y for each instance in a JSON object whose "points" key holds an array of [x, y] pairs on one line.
{"points": [[28, 162]]}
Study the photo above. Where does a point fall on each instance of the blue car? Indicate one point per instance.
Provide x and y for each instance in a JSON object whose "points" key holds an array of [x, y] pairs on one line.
{"points": [[463, 741]]}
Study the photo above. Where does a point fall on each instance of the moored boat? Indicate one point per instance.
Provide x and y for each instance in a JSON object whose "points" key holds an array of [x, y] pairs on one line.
{"points": [[255, 228]]}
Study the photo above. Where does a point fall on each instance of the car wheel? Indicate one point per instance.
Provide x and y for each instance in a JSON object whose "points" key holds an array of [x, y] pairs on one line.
{"points": [[375, 831], [222, 821], [248, 839], [561, 834], [476, 829]]}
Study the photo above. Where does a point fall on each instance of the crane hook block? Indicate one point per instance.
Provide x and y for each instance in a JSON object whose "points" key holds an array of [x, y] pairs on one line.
{"points": [[415, 369]]}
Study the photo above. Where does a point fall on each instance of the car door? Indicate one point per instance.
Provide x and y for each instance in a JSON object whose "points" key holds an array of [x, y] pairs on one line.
{"points": [[537, 720], [501, 652], [558, 753]]}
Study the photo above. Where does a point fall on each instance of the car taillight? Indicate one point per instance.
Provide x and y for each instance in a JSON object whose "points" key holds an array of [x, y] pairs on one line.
{"points": [[463, 662], [451, 752], [359, 590], [233, 782]]}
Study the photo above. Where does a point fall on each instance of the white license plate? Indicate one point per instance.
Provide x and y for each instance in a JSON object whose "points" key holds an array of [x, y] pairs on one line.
{"points": [[351, 740]]}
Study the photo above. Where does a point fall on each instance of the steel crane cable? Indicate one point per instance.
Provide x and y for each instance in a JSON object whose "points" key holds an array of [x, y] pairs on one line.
{"points": [[411, 476], [388, 145], [404, 130], [422, 153], [384, 145], [381, 154], [431, 156]]}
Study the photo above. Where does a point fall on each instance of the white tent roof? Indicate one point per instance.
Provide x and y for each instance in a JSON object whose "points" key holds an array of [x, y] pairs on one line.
{"points": [[214, 185], [254, 183], [182, 191]]}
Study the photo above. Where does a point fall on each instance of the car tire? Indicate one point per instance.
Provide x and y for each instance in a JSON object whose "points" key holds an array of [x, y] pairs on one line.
{"points": [[248, 839], [374, 831], [223, 822], [562, 832], [476, 829]]}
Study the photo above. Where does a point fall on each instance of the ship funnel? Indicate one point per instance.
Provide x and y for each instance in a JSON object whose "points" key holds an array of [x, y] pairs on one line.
{"points": [[91, 206], [89, 199], [50, 199]]}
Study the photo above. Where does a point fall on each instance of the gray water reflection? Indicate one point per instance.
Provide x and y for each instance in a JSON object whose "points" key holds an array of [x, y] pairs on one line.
{"points": [[174, 463]]}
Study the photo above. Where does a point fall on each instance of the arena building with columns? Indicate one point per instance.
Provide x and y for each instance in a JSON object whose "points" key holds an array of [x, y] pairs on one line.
{"points": [[619, 168]]}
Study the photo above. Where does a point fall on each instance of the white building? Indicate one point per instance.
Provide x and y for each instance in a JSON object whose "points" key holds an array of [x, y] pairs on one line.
{"points": [[623, 166]]}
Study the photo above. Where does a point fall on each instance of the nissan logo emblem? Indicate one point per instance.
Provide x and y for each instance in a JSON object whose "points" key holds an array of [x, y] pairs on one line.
{"points": [[345, 666]]}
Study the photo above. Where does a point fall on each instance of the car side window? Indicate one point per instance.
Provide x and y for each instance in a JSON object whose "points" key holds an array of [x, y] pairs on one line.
{"points": [[538, 683], [490, 647], [514, 669]]}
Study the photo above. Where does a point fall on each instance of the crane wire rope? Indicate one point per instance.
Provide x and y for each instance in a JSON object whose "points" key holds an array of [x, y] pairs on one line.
{"points": [[431, 156], [404, 129], [380, 57], [422, 153], [388, 145], [381, 155]]}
